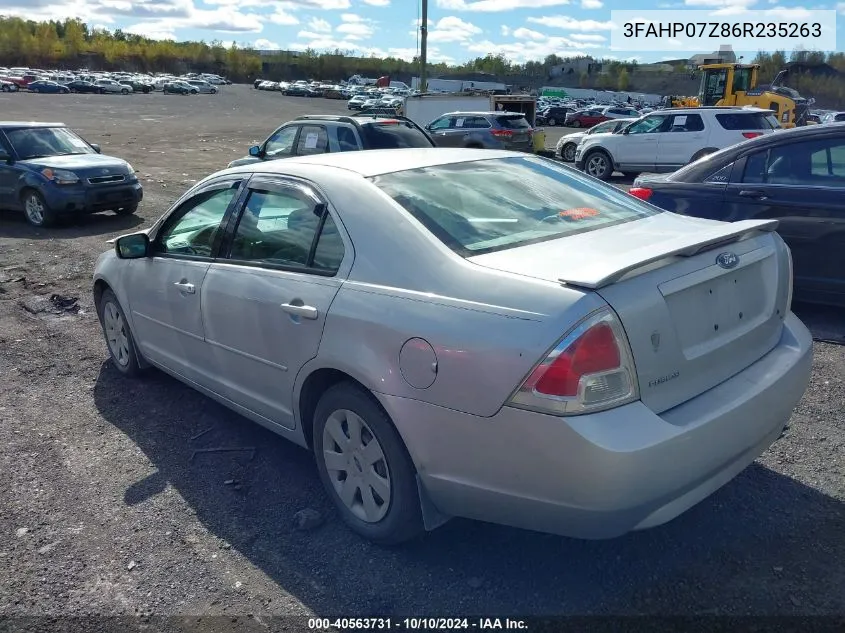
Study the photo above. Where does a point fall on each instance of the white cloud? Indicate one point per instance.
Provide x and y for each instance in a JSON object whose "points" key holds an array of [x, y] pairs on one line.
{"points": [[282, 18], [724, 7], [527, 34], [587, 37], [318, 25], [790, 13], [452, 29], [310, 35], [377, 3], [498, 5], [591, 4], [144, 30], [570, 24], [265, 45], [354, 27], [531, 49], [506, 30], [326, 5]]}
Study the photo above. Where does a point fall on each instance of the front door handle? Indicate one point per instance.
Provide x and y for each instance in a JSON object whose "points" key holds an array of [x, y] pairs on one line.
{"points": [[753, 193], [306, 312], [184, 286]]}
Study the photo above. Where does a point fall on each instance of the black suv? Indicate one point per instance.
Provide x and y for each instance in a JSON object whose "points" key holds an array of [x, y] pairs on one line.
{"points": [[321, 133]]}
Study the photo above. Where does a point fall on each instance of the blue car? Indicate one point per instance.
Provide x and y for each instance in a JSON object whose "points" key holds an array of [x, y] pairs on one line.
{"points": [[47, 87], [48, 172]]}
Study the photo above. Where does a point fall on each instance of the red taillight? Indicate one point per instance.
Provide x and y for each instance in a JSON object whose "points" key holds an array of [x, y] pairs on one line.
{"points": [[389, 122], [594, 352], [502, 132], [752, 134], [589, 369], [643, 193]]}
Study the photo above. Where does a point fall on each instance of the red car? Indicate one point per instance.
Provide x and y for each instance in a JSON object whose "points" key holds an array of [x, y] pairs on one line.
{"points": [[586, 118]]}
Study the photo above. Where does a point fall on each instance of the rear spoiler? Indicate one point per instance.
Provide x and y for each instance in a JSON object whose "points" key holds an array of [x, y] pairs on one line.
{"points": [[613, 268]]}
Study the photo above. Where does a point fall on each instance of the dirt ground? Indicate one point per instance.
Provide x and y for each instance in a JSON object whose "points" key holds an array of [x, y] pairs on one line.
{"points": [[105, 509]]}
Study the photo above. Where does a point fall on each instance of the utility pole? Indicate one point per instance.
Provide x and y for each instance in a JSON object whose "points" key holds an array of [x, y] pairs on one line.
{"points": [[423, 45]]}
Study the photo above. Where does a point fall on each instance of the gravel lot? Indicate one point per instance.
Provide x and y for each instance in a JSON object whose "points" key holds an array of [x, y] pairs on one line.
{"points": [[104, 511]]}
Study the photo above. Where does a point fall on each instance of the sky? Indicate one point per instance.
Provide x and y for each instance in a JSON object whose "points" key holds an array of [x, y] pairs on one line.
{"points": [[523, 30]]}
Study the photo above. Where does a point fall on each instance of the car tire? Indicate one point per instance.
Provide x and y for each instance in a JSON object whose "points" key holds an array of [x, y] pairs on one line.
{"points": [[101, 91], [128, 210], [36, 90], [124, 91], [567, 153], [194, 91], [64, 92], [598, 164], [214, 91], [35, 209], [119, 339], [4, 88], [350, 414], [553, 121], [702, 153], [576, 123]]}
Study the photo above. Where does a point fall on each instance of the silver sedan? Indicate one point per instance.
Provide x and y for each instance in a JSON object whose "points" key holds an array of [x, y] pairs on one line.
{"points": [[475, 333]]}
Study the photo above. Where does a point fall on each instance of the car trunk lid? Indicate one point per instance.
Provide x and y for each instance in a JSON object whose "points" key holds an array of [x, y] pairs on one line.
{"points": [[699, 300]]}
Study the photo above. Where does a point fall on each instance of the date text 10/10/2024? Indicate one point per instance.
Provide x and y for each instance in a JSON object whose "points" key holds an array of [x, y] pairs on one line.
{"points": [[416, 624]]}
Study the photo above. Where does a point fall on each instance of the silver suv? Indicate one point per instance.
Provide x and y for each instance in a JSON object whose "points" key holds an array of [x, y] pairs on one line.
{"points": [[483, 130]]}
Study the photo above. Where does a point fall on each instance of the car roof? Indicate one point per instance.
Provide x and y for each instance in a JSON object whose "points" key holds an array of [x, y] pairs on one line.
{"points": [[716, 108], [20, 124], [376, 162]]}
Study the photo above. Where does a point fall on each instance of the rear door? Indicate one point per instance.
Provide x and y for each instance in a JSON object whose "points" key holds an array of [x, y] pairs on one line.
{"points": [[678, 139], [446, 132], [802, 185], [265, 300]]}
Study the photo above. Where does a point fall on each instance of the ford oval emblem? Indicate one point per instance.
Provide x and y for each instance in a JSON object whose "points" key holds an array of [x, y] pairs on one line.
{"points": [[727, 260]]}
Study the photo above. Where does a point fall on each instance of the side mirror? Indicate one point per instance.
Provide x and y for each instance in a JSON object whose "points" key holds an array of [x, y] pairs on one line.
{"points": [[255, 150], [133, 246], [95, 147]]}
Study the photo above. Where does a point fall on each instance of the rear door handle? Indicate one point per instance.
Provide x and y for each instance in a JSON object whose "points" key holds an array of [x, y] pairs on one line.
{"points": [[753, 193], [306, 312], [185, 287]]}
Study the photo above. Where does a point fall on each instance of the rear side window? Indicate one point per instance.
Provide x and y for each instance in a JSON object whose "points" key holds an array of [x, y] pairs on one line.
{"points": [[512, 122], [839, 117], [393, 135], [745, 121]]}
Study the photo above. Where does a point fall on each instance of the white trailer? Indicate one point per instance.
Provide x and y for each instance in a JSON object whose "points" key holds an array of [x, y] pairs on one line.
{"points": [[423, 109], [458, 85]]}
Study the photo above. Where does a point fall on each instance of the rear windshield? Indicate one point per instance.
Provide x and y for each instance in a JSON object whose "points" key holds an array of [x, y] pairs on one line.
{"points": [[839, 117], [747, 121], [512, 121], [491, 205], [393, 135]]}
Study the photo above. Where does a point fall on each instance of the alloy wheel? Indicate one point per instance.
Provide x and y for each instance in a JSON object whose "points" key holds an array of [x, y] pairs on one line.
{"points": [[356, 466], [34, 209], [569, 153], [597, 165]]}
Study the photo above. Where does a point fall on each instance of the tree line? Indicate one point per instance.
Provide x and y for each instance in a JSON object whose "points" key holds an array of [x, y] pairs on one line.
{"points": [[72, 44]]}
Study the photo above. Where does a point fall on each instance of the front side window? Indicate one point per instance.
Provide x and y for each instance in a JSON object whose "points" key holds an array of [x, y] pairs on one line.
{"points": [[441, 124], [494, 204], [647, 125], [38, 142], [281, 143], [193, 228]]}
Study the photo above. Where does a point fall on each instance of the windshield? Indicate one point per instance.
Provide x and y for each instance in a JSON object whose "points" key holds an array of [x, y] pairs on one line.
{"points": [[513, 122], [46, 141], [494, 204]]}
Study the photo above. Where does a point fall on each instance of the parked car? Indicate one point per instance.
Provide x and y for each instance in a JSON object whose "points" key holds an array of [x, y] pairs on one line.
{"points": [[356, 102], [137, 86], [585, 118], [113, 87], [257, 83], [320, 133], [299, 90], [667, 140], [620, 112], [48, 172], [202, 87], [178, 88], [834, 117], [554, 115], [796, 177], [8, 86], [47, 87], [565, 148], [488, 130], [506, 341], [79, 85]]}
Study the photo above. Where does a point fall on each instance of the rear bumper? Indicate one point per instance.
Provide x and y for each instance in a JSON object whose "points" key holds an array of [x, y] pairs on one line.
{"points": [[92, 199], [602, 475]]}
